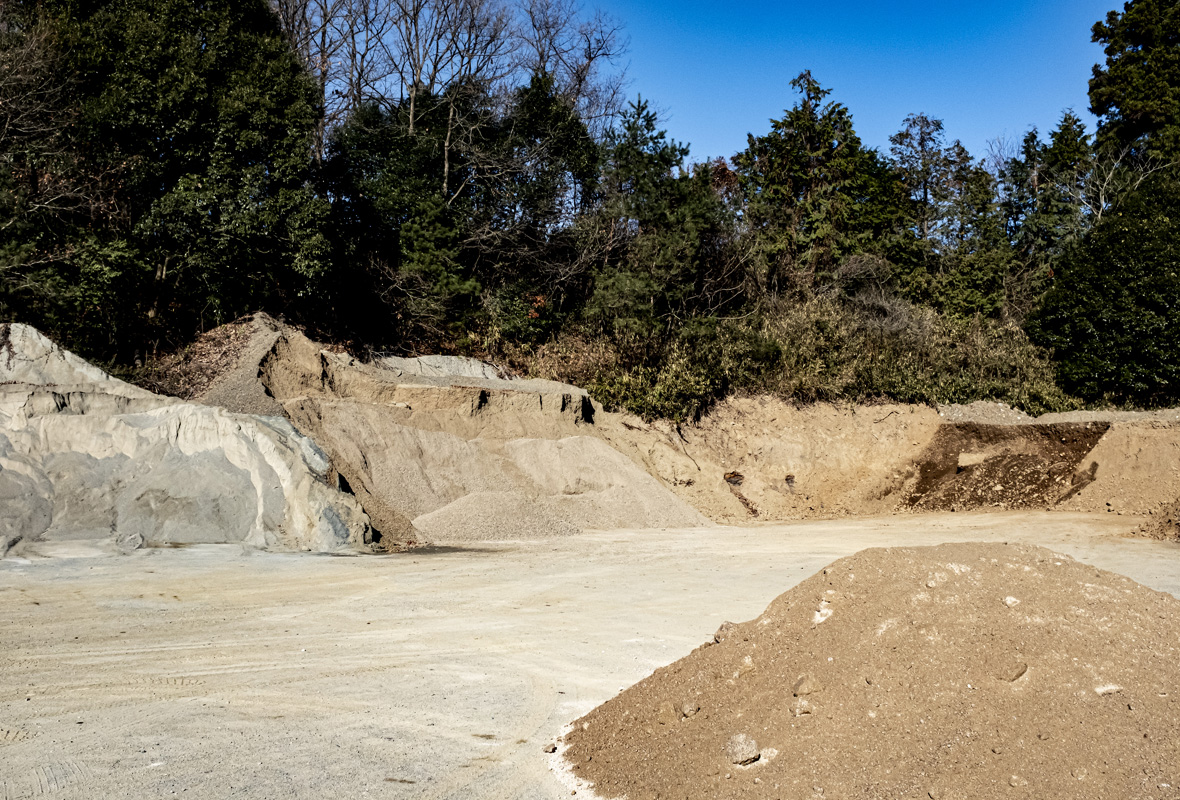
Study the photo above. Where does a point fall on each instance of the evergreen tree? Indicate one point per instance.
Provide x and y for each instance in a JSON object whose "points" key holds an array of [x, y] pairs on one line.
{"points": [[665, 232], [814, 194], [1112, 315], [204, 118], [1136, 94]]}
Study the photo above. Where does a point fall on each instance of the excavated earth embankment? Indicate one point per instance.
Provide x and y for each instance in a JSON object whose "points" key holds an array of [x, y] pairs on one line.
{"points": [[956, 671], [759, 458], [447, 449]]}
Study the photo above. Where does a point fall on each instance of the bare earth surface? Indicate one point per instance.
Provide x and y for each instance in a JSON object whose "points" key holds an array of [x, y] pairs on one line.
{"points": [[210, 671]]}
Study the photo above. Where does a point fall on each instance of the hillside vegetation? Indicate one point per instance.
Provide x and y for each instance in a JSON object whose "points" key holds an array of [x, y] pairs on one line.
{"points": [[468, 176]]}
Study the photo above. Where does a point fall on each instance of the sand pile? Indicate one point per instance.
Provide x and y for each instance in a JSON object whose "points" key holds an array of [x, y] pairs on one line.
{"points": [[84, 456], [1164, 524], [963, 670], [438, 449]]}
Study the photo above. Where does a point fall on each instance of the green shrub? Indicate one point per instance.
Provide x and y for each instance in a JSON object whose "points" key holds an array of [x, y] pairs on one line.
{"points": [[882, 347], [706, 361]]}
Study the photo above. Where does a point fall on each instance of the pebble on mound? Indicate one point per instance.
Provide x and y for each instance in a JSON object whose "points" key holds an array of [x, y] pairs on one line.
{"points": [[963, 670]]}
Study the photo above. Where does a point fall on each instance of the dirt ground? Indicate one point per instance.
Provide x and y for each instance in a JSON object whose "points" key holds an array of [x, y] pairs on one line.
{"points": [[210, 671]]}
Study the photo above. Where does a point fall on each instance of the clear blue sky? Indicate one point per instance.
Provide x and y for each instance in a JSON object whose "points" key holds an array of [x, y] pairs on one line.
{"points": [[720, 70]]}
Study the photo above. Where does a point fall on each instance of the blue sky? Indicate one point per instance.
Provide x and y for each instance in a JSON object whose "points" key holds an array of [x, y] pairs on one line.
{"points": [[718, 71]]}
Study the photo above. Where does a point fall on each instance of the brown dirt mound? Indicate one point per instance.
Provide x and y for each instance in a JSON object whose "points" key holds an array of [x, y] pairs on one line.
{"points": [[963, 670], [1164, 525], [191, 370]]}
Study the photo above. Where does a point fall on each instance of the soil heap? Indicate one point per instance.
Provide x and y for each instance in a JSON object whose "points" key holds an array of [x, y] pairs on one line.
{"points": [[963, 670], [439, 447]]}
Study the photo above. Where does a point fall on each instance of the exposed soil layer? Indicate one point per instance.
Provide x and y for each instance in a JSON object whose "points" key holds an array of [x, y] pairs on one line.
{"points": [[970, 465], [751, 458], [955, 671]]}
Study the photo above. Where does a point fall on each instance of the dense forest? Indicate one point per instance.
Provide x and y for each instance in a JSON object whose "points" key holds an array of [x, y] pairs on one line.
{"points": [[472, 176]]}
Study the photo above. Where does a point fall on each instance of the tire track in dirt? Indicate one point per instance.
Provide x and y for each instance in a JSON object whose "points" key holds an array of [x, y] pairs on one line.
{"points": [[13, 735], [48, 779]]}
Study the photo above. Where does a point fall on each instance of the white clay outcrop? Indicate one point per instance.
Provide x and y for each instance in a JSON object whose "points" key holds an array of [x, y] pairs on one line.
{"points": [[86, 456]]}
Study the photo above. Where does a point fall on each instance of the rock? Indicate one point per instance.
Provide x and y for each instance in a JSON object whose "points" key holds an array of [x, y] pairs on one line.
{"points": [[724, 631], [549, 748], [689, 710], [667, 715], [805, 685], [741, 750]]}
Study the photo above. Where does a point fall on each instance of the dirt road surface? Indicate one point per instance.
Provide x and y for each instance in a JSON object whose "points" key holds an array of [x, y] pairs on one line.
{"points": [[214, 672]]}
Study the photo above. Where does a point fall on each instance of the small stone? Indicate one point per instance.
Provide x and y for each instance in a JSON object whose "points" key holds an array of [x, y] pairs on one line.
{"points": [[550, 748], [741, 749], [724, 632], [1017, 672], [1016, 780], [1011, 602], [1079, 773], [801, 707], [689, 710], [667, 714], [805, 685]]}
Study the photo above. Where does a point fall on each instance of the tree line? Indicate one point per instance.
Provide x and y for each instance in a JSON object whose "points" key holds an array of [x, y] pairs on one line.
{"points": [[469, 176]]}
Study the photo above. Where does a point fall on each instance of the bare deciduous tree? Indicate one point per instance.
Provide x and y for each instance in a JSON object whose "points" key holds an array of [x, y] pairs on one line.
{"points": [[576, 52], [402, 51]]}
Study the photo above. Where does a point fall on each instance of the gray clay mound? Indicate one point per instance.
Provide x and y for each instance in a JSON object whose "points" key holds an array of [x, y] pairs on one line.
{"points": [[963, 670], [84, 456]]}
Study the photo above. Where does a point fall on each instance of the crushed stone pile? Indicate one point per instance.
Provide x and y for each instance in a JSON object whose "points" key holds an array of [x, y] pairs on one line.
{"points": [[84, 456], [956, 671], [440, 449]]}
